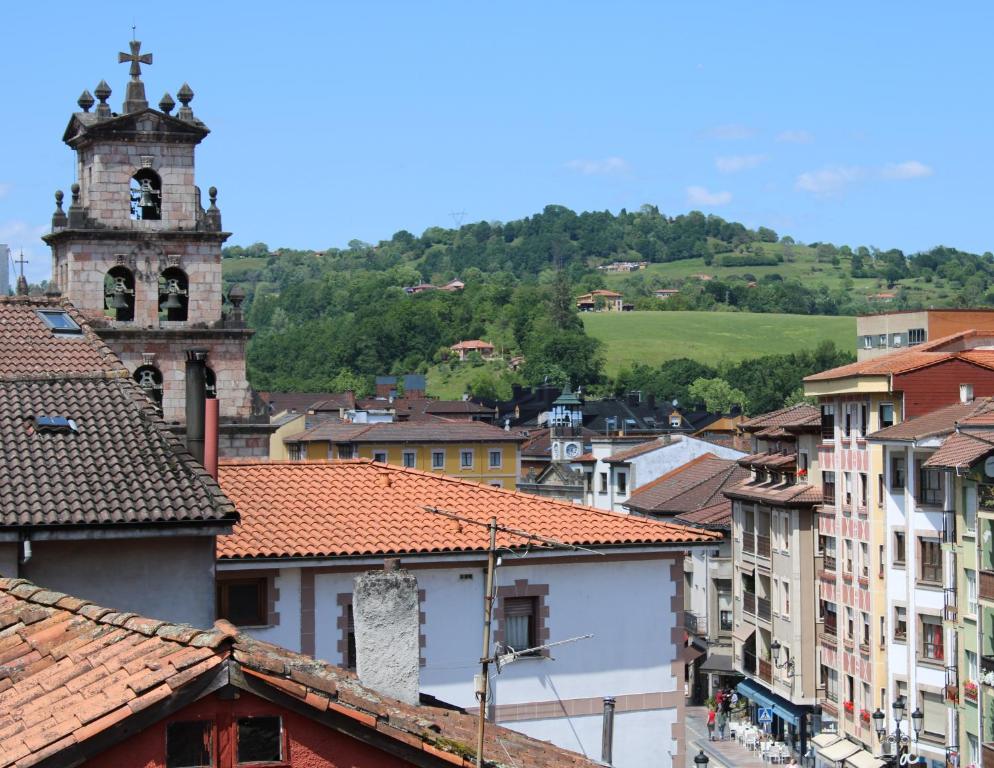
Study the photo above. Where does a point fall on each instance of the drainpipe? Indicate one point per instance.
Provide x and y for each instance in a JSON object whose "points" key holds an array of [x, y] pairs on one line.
{"points": [[211, 437], [607, 738], [196, 396]]}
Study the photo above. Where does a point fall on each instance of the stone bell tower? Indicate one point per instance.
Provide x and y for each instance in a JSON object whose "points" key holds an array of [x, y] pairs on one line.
{"points": [[140, 255]]}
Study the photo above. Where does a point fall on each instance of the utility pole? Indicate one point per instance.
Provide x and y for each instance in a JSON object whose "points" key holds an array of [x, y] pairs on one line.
{"points": [[488, 610]]}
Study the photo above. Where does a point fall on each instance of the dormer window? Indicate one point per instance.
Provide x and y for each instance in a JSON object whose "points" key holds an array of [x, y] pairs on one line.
{"points": [[146, 196]]}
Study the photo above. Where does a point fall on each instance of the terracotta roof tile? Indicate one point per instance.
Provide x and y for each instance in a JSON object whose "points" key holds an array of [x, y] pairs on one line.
{"points": [[626, 454], [60, 699], [438, 430], [321, 509], [940, 421], [962, 449], [796, 495], [920, 356], [799, 415]]}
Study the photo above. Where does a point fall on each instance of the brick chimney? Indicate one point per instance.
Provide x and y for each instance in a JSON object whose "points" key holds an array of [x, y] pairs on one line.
{"points": [[385, 610]]}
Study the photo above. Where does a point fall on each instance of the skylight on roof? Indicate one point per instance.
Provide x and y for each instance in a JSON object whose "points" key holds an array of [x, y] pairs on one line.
{"points": [[59, 321], [55, 424]]}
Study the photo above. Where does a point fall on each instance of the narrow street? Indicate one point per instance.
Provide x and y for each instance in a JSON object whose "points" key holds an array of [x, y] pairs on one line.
{"points": [[722, 754]]}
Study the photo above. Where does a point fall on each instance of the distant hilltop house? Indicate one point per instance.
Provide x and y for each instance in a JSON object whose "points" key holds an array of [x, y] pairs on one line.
{"points": [[624, 266], [452, 286], [664, 293], [702, 276], [464, 348], [883, 296], [602, 301]]}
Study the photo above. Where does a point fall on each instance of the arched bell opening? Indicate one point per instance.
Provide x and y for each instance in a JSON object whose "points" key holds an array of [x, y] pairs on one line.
{"points": [[146, 196], [149, 378], [119, 293], [173, 294]]}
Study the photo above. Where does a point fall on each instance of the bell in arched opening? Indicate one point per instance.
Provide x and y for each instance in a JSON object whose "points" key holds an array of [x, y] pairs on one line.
{"points": [[146, 196], [119, 293], [173, 294], [149, 378]]}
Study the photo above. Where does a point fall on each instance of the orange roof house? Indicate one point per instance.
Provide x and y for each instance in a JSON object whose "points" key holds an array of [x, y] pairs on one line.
{"points": [[464, 348], [90, 685], [308, 527], [602, 300]]}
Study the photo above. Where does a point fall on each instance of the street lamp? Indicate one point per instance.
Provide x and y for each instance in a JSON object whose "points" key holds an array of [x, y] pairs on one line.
{"points": [[897, 740], [788, 663], [701, 760]]}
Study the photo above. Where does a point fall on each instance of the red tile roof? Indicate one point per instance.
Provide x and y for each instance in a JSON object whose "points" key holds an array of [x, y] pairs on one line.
{"points": [[355, 508], [781, 494], [472, 344], [938, 422], [73, 671], [689, 489], [634, 451], [921, 356], [438, 430], [962, 449], [800, 415]]}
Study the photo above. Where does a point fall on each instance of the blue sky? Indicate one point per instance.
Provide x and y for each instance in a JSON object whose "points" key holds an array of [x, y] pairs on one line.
{"points": [[859, 123]]}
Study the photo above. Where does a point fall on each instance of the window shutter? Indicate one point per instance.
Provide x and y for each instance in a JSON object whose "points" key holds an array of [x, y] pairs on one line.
{"points": [[935, 713]]}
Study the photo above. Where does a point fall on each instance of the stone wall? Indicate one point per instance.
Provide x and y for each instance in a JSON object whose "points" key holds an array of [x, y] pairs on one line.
{"points": [[80, 266]]}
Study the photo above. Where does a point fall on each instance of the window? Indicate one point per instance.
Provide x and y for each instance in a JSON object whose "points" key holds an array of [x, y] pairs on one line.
{"points": [[346, 451], [828, 422], [930, 485], [971, 591], [603, 482], [848, 555], [931, 634], [897, 473], [828, 547], [519, 622], [970, 662], [867, 342], [466, 459], [882, 340], [847, 478], [849, 420], [409, 458], [900, 623], [496, 458], [785, 543], [970, 509], [886, 415], [864, 557], [866, 637], [895, 340], [786, 599], [899, 548], [622, 482], [438, 459], [850, 628], [295, 451], [864, 420], [380, 456], [349, 651], [934, 708], [880, 490], [190, 744], [930, 559], [260, 739], [802, 462], [243, 602], [916, 336], [59, 321], [828, 488], [830, 678], [864, 490]]}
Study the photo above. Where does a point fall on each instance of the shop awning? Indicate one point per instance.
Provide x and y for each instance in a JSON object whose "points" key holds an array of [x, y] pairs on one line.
{"points": [[718, 664], [864, 759], [838, 751], [742, 633], [785, 710], [823, 740]]}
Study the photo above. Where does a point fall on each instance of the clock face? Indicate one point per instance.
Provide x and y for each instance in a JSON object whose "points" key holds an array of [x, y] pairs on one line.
{"points": [[572, 450]]}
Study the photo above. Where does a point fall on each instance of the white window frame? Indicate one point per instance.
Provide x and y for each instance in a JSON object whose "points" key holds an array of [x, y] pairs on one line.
{"points": [[970, 578], [490, 458], [409, 455], [463, 453], [435, 462], [380, 456]]}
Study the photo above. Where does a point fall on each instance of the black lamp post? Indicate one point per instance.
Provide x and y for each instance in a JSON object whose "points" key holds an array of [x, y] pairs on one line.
{"points": [[701, 760], [897, 740], [788, 663]]}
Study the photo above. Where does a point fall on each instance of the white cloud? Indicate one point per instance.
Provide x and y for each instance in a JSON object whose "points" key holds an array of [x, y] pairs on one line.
{"points": [[730, 132], [609, 166], [736, 163], [910, 169], [795, 137], [701, 196], [828, 181]]}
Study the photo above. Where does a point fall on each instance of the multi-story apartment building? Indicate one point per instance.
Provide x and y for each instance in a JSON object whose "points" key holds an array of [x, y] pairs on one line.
{"points": [[774, 545], [470, 450], [857, 400], [881, 333]]}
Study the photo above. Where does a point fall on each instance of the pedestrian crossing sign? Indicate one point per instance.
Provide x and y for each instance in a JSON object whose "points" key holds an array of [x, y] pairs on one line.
{"points": [[766, 714]]}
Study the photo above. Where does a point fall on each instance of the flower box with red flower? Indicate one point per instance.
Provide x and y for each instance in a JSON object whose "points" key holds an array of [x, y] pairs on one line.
{"points": [[802, 473], [864, 715], [849, 706], [970, 690]]}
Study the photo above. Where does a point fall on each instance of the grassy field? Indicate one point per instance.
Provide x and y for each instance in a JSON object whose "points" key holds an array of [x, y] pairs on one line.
{"points": [[652, 337]]}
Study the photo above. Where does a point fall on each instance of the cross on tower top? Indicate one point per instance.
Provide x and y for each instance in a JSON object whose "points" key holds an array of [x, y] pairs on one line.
{"points": [[135, 57], [134, 100], [22, 261]]}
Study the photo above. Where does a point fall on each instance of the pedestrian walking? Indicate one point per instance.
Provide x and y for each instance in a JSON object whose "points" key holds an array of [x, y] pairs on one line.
{"points": [[722, 725], [711, 717]]}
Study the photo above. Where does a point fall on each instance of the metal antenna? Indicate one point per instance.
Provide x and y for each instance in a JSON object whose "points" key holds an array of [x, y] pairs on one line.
{"points": [[545, 542], [458, 217]]}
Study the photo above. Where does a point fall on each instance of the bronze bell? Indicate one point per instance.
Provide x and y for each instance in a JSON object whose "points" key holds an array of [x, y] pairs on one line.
{"points": [[117, 298], [173, 292]]}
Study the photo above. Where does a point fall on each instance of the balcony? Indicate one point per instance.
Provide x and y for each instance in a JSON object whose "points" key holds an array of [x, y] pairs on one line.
{"points": [[987, 585], [763, 546], [830, 627], [949, 610], [749, 603], [763, 608], [765, 671], [986, 669], [748, 542], [696, 625]]}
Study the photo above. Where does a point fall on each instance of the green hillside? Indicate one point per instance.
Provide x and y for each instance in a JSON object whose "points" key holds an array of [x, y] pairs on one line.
{"points": [[653, 337]]}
